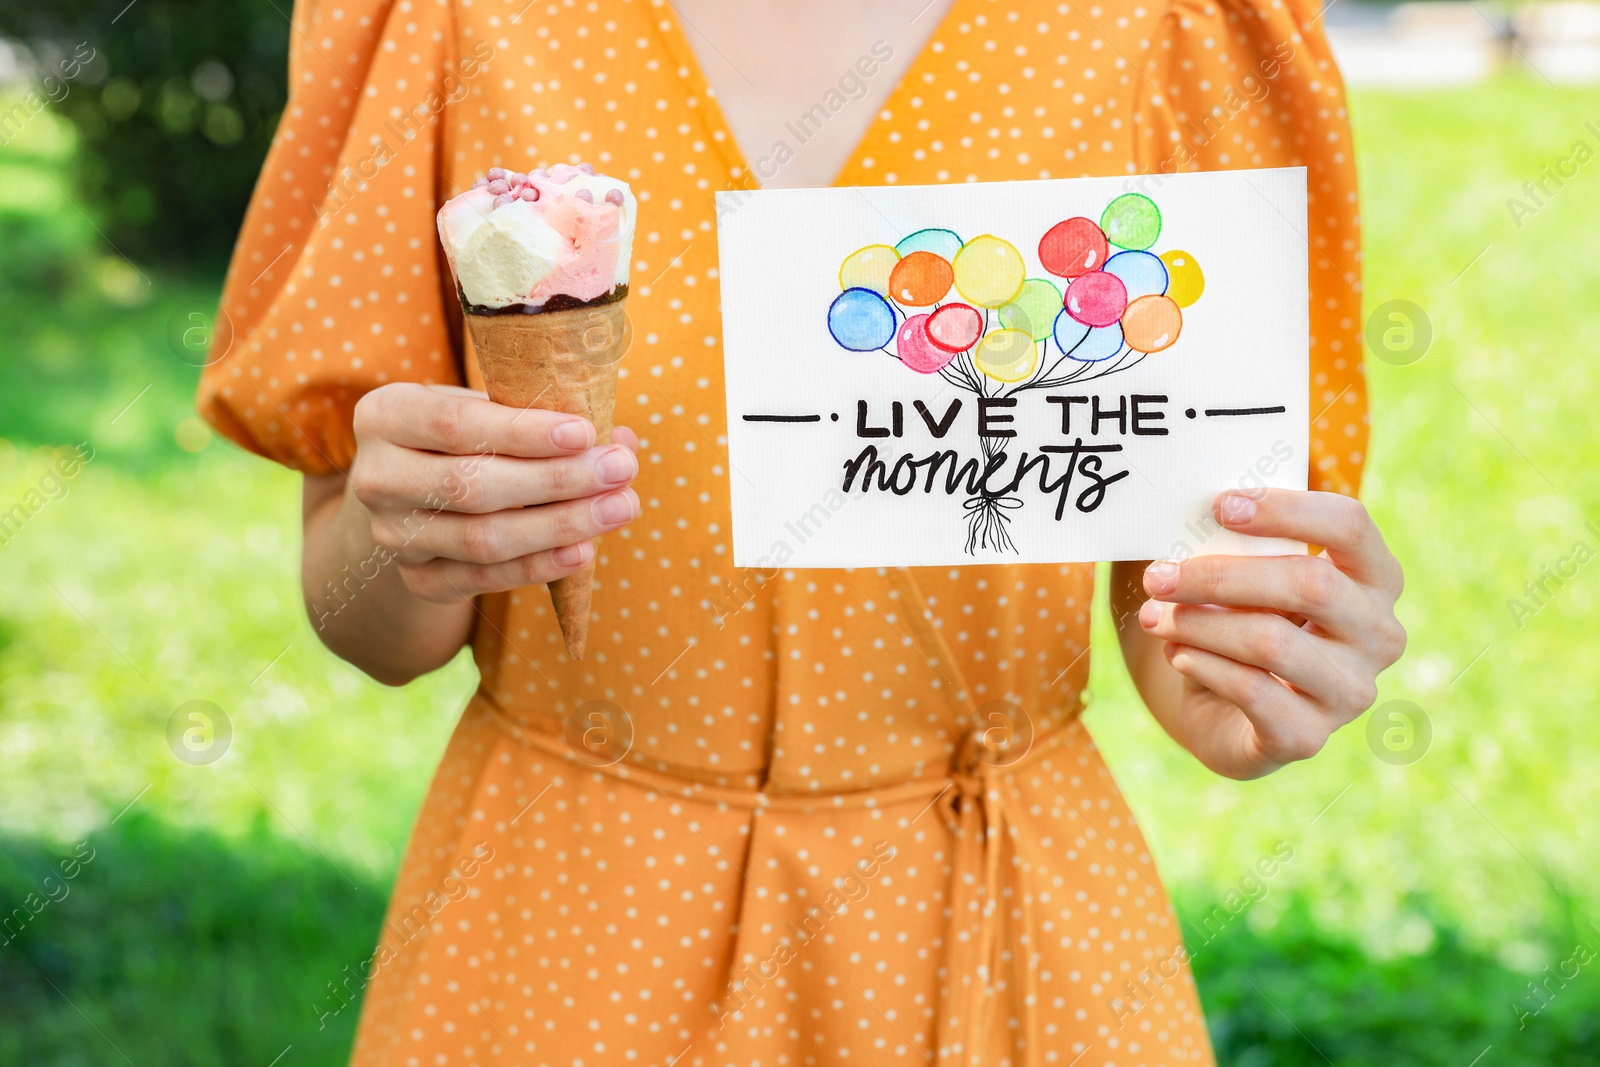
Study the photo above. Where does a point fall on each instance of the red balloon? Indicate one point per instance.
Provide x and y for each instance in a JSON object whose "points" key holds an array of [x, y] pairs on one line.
{"points": [[1097, 298], [916, 349], [955, 327], [1074, 247]]}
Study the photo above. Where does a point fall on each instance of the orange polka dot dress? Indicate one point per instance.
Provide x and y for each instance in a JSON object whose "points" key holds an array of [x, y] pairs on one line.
{"points": [[798, 843]]}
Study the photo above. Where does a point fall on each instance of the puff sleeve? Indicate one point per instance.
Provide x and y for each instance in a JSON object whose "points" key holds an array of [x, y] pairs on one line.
{"points": [[336, 285], [1252, 83]]}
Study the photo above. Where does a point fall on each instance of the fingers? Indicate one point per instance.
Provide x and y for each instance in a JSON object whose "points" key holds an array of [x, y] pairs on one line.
{"points": [[1285, 727], [1311, 664], [1308, 586], [459, 422], [1339, 523], [621, 435], [447, 581], [501, 536], [399, 478]]}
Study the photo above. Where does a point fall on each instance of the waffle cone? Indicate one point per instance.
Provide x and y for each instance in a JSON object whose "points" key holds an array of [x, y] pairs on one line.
{"points": [[558, 361]]}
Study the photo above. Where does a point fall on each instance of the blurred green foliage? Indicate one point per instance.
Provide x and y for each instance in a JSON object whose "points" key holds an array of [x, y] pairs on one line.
{"points": [[239, 932], [1297, 993], [174, 102]]}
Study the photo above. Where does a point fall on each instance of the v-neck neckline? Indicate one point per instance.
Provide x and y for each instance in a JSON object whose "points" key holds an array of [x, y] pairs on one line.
{"points": [[957, 692], [669, 30]]}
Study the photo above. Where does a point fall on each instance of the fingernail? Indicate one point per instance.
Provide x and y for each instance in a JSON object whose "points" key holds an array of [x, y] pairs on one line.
{"points": [[1149, 613], [572, 434], [1161, 577], [1237, 509], [616, 466], [571, 555], [614, 508]]}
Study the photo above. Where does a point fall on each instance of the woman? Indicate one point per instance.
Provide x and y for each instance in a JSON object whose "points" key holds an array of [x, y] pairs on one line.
{"points": [[799, 842]]}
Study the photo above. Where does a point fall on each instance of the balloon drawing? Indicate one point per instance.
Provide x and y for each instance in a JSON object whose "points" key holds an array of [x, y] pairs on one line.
{"points": [[967, 311]]}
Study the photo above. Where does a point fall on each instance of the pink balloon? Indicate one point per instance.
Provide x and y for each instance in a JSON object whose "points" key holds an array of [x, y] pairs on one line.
{"points": [[1097, 298], [916, 348], [955, 327]]}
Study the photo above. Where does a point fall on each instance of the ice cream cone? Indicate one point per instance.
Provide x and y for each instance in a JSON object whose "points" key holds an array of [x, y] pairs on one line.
{"points": [[558, 361]]}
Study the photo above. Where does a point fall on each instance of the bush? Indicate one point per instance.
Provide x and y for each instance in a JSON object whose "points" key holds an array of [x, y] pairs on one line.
{"points": [[179, 947], [175, 104], [1296, 993]]}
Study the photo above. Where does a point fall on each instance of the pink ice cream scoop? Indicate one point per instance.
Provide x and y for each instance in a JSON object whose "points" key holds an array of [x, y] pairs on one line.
{"points": [[525, 239]]}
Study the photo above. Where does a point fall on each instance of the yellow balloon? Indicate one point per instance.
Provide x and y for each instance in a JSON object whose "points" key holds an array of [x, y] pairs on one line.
{"points": [[989, 272], [1185, 283], [868, 268], [1007, 355]]}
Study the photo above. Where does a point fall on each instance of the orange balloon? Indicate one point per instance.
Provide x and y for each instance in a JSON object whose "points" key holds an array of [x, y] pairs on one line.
{"points": [[920, 280], [1151, 323]]}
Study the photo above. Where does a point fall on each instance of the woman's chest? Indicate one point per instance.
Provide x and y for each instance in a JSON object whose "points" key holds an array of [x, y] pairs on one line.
{"points": [[960, 90], [816, 74]]}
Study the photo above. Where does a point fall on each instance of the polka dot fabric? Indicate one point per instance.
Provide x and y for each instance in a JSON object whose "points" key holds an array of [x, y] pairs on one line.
{"points": [[1246, 84], [812, 852]]}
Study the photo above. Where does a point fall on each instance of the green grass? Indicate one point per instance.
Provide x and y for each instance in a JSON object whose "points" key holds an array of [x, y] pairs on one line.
{"points": [[182, 946], [1420, 899], [1480, 474]]}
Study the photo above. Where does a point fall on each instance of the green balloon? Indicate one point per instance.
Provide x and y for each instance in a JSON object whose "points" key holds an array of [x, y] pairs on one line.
{"points": [[1132, 221], [1034, 309]]}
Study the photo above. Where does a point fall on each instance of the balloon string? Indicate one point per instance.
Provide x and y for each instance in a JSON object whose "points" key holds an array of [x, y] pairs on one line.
{"points": [[987, 521], [1045, 382], [1007, 502], [1086, 371], [959, 383], [969, 370], [1036, 382], [969, 367], [966, 381]]}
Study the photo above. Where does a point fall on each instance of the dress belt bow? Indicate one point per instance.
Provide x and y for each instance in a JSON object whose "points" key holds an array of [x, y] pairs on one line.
{"points": [[987, 979]]}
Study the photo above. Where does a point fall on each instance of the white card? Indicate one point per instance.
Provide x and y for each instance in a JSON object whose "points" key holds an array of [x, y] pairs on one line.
{"points": [[1013, 372]]}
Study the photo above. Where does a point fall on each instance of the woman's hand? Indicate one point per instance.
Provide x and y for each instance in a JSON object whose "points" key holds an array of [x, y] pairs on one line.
{"points": [[450, 497], [1268, 655], [474, 497]]}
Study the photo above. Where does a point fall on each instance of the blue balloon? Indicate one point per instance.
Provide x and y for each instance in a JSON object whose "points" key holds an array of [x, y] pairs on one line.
{"points": [[1142, 273], [1068, 331], [1084, 344], [861, 320], [942, 243]]}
